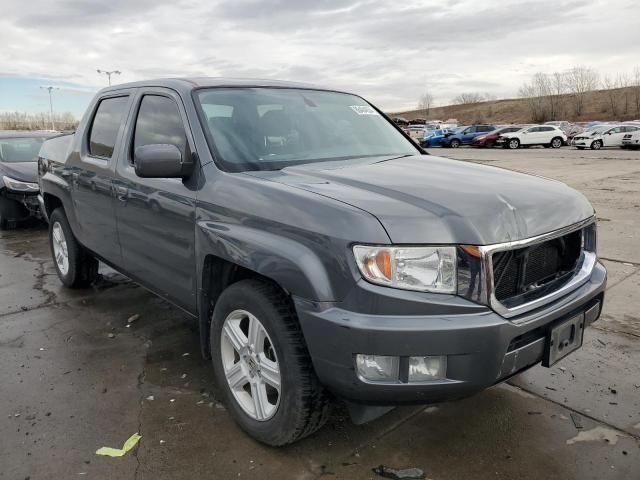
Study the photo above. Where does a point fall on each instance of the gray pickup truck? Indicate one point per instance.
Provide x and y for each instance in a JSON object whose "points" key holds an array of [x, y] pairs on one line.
{"points": [[323, 253]]}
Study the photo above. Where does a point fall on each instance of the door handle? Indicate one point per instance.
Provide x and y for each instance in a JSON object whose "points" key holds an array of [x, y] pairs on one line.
{"points": [[122, 193]]}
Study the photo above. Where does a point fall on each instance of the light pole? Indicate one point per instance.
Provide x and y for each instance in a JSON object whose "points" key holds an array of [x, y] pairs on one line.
{"points": [[49, 89], [109, 73]]}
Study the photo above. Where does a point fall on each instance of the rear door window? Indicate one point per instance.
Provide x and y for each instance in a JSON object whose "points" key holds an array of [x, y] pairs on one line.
{"points": [[106, 124], [159, 122]]}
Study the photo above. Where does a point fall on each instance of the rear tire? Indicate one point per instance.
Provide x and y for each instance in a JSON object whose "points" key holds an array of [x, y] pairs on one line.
{"points": [[513, 144], [76, 267], [556, 142], [300, 405], [596, 145]]}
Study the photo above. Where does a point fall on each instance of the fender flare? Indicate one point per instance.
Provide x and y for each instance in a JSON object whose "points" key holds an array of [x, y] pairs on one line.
{"points": [[289, 263]]}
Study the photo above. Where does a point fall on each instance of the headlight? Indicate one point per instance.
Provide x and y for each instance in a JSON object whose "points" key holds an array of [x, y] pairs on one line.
{"points": [[427, 269], [18, 186]]}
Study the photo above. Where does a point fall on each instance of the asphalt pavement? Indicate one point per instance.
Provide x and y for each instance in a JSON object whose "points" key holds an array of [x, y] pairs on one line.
{"points": [[84, 369]]}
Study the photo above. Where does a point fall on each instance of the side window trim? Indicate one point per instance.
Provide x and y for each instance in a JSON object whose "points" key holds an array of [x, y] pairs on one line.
{"points": [[100, 160], [136, 114], [130, 134]]}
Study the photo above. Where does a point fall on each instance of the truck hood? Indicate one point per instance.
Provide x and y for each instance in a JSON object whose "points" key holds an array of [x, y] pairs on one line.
{"points": [[427, 199], [23, 171]]}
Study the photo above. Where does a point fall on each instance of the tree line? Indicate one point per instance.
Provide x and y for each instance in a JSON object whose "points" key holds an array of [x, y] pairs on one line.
{"points": [[37, 121], [557, 95]]}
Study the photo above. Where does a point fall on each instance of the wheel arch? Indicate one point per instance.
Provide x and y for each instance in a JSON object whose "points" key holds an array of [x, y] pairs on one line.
{"points": [[233, 253]]}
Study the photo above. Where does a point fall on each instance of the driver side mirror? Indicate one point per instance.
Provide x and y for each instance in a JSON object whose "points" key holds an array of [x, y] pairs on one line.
{"points": [[160, 161]]}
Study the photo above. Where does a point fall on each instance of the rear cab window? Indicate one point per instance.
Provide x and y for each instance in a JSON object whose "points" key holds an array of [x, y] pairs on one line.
{"points": [[106, 124]]}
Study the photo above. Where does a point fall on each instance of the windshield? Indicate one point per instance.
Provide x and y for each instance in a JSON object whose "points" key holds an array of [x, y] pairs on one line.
{"points": [[272, 128], [24, 149]]}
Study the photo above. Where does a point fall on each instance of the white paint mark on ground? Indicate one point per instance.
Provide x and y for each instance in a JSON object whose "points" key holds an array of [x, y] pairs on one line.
{"points": [[597, 434]]}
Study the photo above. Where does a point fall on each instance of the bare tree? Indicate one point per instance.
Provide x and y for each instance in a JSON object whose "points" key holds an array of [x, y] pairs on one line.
{"points": [[466, 98], [537, 93], [635, 83], [581, 81], [609, 85], [425, 102], [557, 87], [624, 82]]}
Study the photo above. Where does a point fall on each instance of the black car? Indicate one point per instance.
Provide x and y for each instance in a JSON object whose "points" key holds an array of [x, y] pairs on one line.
{"points": [[19, 175], [323, 254]]}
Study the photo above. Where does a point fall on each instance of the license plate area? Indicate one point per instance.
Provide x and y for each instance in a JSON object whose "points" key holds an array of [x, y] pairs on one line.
{"points": [[562, 339]]}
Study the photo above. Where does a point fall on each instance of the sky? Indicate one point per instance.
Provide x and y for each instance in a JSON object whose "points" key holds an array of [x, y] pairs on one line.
{"points": [[388, 51]]}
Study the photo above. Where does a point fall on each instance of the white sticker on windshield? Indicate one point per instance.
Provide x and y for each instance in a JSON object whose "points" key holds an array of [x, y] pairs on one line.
{"points": [[364, 110]]}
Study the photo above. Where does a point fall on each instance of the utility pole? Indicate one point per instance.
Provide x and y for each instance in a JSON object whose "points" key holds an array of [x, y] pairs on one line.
{"points": [[49, 89], [109, 73]]}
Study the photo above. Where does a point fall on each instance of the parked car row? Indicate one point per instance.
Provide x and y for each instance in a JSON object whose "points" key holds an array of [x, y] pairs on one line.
{"points": [[488, 135], [549, 135]]}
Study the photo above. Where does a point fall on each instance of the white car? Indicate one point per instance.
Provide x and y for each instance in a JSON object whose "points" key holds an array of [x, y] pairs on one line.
{"points": [[604, 136], [545, 135], [631, 140]]}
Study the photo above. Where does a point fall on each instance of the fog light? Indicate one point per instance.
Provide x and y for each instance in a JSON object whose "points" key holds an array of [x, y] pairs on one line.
{"points": [[378, 368], [426, 369]]}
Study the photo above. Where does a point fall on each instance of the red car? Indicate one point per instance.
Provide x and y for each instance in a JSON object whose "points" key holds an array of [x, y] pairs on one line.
{"points": [[489, 139]]}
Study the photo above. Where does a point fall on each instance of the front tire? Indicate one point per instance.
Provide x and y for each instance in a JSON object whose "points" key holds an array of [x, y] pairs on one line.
{"points": [[597, 145], [455, 143], [262, 365], [76, 267], [513, 144]]}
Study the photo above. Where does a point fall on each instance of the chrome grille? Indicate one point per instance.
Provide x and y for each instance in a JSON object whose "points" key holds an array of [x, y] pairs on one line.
{"points": [[524, 274]]}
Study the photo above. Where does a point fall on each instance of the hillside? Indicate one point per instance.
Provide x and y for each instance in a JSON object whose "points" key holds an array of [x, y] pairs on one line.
{"points": [[599, 105]]}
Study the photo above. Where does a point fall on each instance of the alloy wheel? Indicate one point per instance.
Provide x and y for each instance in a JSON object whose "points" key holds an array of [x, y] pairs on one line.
{"points": [[60, 252], [250, 365]]}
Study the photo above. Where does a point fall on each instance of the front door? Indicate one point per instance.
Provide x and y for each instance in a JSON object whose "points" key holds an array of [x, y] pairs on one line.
{"points": [[156, 216], [531, 136]]}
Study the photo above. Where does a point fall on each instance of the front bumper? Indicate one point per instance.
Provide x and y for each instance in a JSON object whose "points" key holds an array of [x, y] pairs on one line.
{"points": [[482, 348], [22, 206]]}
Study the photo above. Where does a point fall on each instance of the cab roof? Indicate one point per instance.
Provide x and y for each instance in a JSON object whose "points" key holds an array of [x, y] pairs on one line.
{"points": [[186, 84]]}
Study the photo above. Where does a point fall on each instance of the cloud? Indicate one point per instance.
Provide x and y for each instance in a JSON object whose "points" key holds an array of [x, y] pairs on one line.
{"points": [[385, 51]]}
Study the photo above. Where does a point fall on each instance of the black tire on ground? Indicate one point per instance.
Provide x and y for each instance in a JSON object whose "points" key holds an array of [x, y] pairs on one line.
{"points": [[304, 404], [3, 213], [455, 143], [83, 267], [556, 142], [596, 145], [513, 143], [489, 144]]}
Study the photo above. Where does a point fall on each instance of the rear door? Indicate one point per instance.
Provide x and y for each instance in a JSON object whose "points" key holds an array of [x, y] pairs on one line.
{"points": [[547, 134], [156, 216], [91, 174]]}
